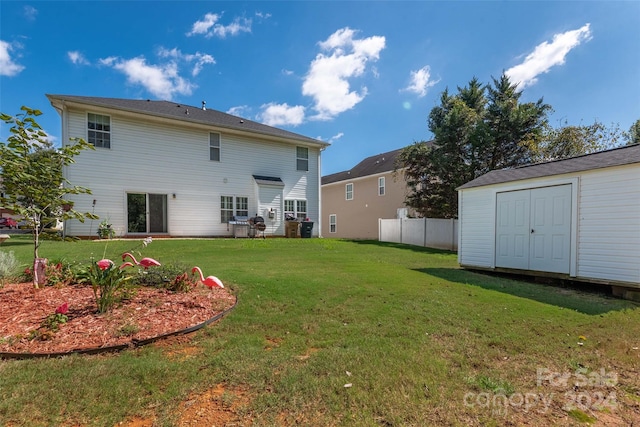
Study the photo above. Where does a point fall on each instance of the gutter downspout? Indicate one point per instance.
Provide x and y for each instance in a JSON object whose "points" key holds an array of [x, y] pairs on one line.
{"points": [[320, 190]]}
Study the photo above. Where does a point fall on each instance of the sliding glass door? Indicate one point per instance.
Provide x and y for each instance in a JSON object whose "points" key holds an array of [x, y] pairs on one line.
{"points": [[146, 213]]}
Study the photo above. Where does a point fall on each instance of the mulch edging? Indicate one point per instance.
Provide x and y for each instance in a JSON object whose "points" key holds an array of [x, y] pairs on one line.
{"points": [[134, 343]]}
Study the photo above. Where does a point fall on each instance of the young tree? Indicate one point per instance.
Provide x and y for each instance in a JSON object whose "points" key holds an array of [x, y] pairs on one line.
{"points": [[32, 176], [477, 130], [571, 141]]}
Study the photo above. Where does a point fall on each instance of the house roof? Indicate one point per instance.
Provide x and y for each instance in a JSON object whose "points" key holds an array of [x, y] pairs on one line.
{"points": [[624, 155], [373, 165], [268, 180], [183, 112]]}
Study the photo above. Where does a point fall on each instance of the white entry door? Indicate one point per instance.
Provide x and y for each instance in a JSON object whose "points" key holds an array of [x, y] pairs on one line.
{"points": [[533, 229]]}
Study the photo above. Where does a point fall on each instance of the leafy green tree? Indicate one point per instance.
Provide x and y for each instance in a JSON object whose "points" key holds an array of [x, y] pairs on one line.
{"points": [[479, 129], [32, 176], [571, 141], [633, 136]]}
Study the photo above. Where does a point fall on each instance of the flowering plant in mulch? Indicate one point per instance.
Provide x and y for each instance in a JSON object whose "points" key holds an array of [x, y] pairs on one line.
{"points": [[107, 281]]}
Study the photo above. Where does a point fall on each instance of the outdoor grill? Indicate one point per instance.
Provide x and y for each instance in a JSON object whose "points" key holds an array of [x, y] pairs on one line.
{"points": [[256, 226], [240, 226]]}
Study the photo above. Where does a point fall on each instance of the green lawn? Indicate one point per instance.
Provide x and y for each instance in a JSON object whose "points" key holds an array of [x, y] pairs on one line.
{"points": [[419, 341]]}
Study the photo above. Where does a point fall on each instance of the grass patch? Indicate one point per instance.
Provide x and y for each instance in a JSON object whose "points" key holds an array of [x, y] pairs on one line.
{"points": [[410, 332]]}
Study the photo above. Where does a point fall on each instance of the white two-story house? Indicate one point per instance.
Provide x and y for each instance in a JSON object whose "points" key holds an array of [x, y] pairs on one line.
{"points": [[165, 168]]}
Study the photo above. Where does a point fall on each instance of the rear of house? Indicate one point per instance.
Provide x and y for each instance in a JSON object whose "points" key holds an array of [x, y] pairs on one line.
{"points": [[164, 168], [575, 218], [353, 201]]}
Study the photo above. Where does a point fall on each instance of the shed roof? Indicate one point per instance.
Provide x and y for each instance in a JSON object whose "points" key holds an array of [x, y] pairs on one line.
{"points": [[624, 155], [187, 113]]}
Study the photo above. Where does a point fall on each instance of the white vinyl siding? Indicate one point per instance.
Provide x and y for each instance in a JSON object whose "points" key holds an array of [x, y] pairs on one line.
{"points": [[167, 158], [609, 224], [476, 224]]}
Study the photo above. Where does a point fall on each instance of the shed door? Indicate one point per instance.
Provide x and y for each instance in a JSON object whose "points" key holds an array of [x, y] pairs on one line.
{"points": [[533, 229]]}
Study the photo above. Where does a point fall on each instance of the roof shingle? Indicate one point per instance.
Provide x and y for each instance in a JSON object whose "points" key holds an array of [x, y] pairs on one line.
{"points": [[187, 113], [625, 155]]}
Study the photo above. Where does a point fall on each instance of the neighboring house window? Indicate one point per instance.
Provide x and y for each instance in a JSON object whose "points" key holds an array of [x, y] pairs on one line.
{"points": [[214, 147], [295, 209], [333, 223], [348, 189], [99, 130], [302, 158], [227, 211], [381, 186]]}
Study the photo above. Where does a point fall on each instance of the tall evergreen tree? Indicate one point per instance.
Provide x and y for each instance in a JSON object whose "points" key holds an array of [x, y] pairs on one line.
{"points": [[479, 129]]}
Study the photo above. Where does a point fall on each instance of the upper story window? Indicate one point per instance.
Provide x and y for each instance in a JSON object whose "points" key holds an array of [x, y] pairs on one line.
{"points": [[348, 189], [333, 223], [302, 158], [214, 147], [381, 186], [99, 130]]}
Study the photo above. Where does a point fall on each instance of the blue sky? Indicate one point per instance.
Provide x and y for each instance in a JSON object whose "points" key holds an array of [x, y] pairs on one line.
{"points": [[361, 75]]}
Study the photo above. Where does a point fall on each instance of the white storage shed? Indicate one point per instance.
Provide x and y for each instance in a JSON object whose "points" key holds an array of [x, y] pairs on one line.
{"points": [[576, 218]]}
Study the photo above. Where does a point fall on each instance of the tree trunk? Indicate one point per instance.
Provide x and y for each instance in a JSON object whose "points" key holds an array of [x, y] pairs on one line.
{"points": [[39, 275]]}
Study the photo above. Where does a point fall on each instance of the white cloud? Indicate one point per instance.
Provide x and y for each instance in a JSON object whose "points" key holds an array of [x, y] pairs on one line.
{"points": [[327, 80], [199, 59], [281, 114], [7, 65], [162, 81], [77, 58], [420, 81], [210, 27], [240, 110], [30, 12], [202, 27], [547, 55], [336, 137]]}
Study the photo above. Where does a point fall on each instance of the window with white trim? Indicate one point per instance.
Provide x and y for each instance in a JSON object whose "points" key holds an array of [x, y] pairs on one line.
{"points": [[333, 223], [232, 206], [214, 147], [348, 191], [296, 209], [99, 130], [302, 158], [381, 186]]}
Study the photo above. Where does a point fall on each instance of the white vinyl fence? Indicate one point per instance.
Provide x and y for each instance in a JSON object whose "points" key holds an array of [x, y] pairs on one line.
{"points": [[428, 232]]}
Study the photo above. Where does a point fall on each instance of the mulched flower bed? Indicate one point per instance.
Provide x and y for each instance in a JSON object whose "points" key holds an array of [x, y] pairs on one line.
{"points": [[148, 313]]}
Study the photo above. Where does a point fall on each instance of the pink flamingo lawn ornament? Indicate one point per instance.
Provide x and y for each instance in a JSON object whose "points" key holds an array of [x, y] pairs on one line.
{"points": [[145, 262], [210, 281]]}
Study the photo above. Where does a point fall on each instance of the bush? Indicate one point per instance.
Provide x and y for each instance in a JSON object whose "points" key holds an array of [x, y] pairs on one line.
{"points": [[173, 277], [9, 267]]}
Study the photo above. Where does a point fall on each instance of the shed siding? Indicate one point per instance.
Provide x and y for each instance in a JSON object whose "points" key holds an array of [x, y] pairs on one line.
{"points": [[152, 157], [477, 225], [609, 224], [606, 240]]}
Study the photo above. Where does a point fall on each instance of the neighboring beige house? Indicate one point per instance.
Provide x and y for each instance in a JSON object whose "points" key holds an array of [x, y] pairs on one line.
{"points": [[352, 201]]}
